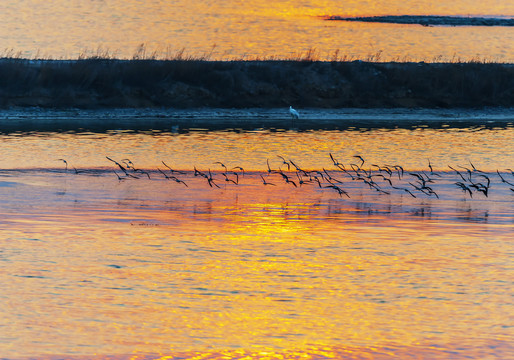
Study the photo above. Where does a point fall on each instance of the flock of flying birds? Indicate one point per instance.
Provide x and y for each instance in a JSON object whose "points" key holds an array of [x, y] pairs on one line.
{"points": [[380, 178], [383, 179]]}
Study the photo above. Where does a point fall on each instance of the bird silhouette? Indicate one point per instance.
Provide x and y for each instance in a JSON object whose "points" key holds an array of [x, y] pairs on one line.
{"points": [[265, 182], [360, 158], [65, 163]]}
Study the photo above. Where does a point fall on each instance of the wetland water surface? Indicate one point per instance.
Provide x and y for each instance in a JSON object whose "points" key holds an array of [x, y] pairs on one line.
{"points": [[253, 28], [148, 268]]}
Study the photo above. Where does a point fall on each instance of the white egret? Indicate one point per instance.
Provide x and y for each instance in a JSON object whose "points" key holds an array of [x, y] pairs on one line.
{"points": [[294, 113]]}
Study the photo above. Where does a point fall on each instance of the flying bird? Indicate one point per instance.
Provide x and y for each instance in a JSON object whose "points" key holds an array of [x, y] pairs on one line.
{"points": [[177, 180], [284, 162], [265, 182], [286, 178], [65, 163], [336, 163], [360, 158]]}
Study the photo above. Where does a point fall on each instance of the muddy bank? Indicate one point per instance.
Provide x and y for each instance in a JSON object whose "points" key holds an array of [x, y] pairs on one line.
{"points": [[184, 120], [107, 83], [429, 20]]}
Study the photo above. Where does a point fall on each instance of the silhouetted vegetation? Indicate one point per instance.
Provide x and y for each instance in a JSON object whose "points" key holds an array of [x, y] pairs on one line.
{"points": [[188, 83]]}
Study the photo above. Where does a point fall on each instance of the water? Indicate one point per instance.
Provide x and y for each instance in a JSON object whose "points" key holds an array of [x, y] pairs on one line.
{"points": [[249, 29], [147, 268]]}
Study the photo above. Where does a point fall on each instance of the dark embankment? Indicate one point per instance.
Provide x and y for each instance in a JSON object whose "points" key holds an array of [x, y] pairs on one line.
{"points": [[98, 83], [429, 20]]}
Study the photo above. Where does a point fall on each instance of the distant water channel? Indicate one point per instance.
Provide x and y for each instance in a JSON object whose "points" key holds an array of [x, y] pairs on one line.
{"points": [[148, 267], [252, 29]]}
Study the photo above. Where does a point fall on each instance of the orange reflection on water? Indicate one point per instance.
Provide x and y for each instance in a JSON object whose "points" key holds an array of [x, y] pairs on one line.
{"points": [[254, 28], [487, 149], [248, 272]]}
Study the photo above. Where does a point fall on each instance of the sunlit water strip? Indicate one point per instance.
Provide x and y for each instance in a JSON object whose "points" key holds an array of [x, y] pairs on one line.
{"points": [[488, 146]]}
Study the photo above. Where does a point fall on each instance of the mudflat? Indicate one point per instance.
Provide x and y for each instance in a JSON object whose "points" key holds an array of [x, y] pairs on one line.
{"points": [[177, 119]]}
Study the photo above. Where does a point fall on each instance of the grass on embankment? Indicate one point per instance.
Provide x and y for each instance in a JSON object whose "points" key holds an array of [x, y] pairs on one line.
{"points": [[189, 83]]}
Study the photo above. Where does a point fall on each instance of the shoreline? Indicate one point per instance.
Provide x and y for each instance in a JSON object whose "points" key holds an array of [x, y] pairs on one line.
{"points": [[177, 120], [192, 84]]}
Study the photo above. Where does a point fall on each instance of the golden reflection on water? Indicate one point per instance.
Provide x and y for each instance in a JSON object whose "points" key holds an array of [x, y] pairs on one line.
{"points": [[487, 149], [145, 268], [254, 28]]}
